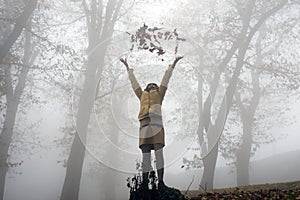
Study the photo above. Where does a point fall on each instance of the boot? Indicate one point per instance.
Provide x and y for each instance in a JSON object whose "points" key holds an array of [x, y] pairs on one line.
{"points": [[161, 186], [145, 185]]}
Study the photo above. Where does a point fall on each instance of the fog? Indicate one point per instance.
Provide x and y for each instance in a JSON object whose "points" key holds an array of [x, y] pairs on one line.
{"points": [[69, 110]]}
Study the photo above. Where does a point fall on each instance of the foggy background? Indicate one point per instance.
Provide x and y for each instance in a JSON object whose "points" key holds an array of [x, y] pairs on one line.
{"points": [[69, 126]]}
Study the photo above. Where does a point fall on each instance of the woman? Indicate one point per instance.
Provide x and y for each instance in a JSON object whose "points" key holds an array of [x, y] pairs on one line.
{"points": [[151, 135]]}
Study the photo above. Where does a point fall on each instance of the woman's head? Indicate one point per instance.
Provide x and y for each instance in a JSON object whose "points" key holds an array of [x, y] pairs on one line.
{"points": [[151, 86]]}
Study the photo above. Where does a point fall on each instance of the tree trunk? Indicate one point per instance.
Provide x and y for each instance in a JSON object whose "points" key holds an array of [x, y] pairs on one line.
{"points": [[209, 164], [13, 98], [247, 117], [6, 136], [98, 35], [243, 155], [214, 131], [75, 162], [244, 152]]}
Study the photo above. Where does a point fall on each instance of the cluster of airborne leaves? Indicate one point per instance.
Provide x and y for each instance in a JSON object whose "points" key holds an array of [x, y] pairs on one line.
{"points": [[150, 39]]}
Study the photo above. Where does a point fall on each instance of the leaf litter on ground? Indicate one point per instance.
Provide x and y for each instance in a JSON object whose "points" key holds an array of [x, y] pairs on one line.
{"points": [[289, 190]]}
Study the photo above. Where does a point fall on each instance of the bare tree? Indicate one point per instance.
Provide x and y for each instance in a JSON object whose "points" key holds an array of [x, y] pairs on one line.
{"points": [[100, 21], [213, 131], [248, 96], [13, 92], [13, 98]]}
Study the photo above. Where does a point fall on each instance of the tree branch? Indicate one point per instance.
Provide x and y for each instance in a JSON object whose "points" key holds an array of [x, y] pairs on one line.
{"points": [[21, 20], [263, 18]]}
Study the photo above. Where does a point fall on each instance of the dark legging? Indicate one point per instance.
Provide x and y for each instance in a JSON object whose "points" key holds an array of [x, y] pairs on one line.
{"points": [[146, 149]]}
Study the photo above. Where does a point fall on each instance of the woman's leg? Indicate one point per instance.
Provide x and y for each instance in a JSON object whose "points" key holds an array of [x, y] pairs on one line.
{"points": [[146, 165], [159, 161]]}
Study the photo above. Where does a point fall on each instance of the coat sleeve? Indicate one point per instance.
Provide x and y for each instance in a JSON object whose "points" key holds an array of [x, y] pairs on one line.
{"points": [[165, 81], [135, 85]]}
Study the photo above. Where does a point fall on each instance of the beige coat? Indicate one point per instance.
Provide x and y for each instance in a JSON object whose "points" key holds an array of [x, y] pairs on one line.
{"points": [[151, 125]]}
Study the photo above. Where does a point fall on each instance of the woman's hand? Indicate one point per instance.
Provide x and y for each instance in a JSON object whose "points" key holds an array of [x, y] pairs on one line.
{"points": [[124, 61], [176, 60]]}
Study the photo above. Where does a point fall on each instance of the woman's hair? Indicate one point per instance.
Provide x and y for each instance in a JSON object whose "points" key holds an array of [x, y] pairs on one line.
{"points": [[148, 86]]}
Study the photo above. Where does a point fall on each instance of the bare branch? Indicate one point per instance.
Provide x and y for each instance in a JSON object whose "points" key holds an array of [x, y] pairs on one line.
{"points": [[20, 22]]}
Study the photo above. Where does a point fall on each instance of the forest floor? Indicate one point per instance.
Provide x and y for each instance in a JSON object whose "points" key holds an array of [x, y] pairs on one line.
{"points": [[288, 190]]}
